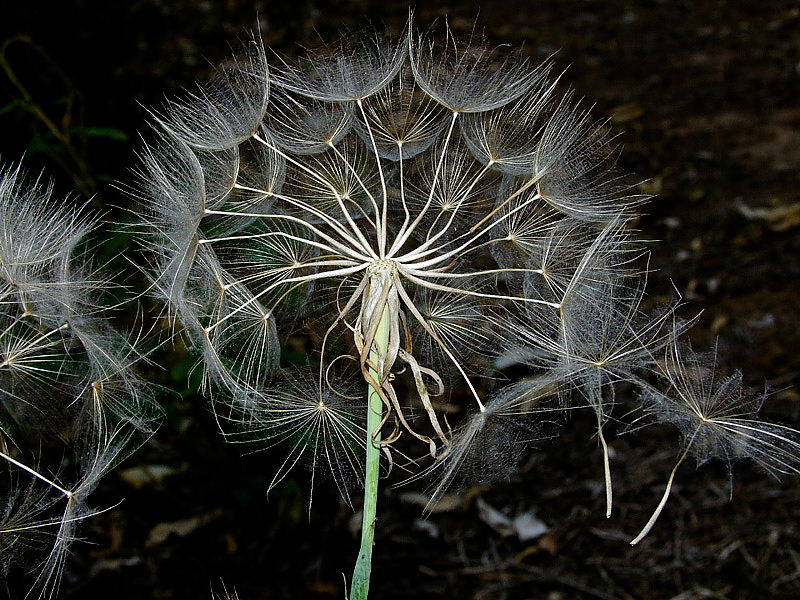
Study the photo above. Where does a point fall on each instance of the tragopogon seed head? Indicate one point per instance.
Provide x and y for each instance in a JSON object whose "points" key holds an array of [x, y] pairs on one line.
{"points": [[454, 166], [65, 373], [436, 161], [423, 209]]}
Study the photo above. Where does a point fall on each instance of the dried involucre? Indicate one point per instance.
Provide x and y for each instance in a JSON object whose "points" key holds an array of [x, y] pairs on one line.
{"points": [[424, 212], [65, 373]]}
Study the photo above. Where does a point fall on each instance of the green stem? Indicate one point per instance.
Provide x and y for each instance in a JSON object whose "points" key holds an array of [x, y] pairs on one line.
{"points": [[361, 573]]}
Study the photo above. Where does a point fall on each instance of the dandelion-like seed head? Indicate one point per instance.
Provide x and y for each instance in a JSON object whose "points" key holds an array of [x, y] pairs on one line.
{"points": [[65, 373], [405, 191], [424, 209]]}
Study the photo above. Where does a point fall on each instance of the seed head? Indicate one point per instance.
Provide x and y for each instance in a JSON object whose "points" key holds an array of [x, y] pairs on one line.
{"points": [[64, 373], [425, 209]]}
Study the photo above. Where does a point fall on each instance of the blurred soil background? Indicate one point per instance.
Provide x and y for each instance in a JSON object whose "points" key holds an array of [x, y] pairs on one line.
{"points": [[704, 98]]}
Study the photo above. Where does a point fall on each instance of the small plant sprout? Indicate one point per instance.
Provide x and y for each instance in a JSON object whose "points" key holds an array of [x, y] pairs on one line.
{"points": [[422, 211], [64, 373]]}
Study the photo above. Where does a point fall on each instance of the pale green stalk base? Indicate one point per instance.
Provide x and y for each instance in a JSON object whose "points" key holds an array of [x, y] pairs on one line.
{"points": [[359, 589]]}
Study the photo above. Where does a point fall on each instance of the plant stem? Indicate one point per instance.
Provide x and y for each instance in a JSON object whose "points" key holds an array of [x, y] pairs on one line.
{"points": [[361, 573]]}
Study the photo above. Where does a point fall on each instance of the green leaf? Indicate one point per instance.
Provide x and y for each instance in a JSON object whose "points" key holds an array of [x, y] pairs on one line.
{"points": [[110, 133], [42, 145], [9, 107]]}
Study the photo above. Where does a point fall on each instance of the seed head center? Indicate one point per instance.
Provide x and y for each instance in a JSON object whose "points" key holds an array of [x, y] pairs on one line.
{"points": [[382, 266]]}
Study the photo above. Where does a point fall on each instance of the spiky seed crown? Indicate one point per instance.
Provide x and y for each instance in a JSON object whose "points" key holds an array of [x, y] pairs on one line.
{"points": [[452, 163], [64, 373], [441, 187]]}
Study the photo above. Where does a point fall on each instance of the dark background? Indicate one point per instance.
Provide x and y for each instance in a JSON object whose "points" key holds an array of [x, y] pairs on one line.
{"points": [[703, 96]]}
